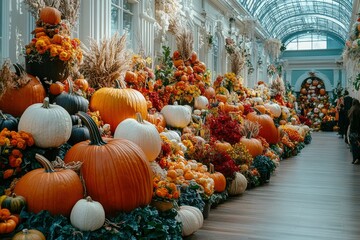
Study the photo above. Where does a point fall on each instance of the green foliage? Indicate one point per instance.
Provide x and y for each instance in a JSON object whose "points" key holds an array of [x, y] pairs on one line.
{"points": [[191, 196], [166, 67], [265, 167], [356, 82], [141, 223], [308, 138]]}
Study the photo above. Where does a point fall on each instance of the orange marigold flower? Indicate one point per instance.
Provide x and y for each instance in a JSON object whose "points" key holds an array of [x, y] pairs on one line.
{"points": [[176, 195], [8, 173], [21, 145], [54, 51], [15, 162], [161, 192], [64, 56]]}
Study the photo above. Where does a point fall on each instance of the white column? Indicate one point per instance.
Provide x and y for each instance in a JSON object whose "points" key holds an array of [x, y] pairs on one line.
{"points": [[288, 76], [336, 79], [95, 20]]}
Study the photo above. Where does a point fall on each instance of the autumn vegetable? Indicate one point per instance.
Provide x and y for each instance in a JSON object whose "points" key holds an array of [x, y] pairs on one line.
{"points": [[12, 101], [14, 203], [191, 219], [124, 164], [8, 222], [142, 133], [29, 234], [238, 185], [177, 116], [8, 121], [50, 15], [49, 189], [49, 124], [219, 179], [71, 101], [250, 130], [268, 129], [117, 104], [87, 215]]}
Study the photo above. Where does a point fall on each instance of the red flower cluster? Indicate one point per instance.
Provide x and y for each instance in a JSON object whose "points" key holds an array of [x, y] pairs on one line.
{"points": [[223, 163], [224, 128]]}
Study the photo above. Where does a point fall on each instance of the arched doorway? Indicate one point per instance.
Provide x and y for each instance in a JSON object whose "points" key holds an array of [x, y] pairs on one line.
{"points": [[314, 101]]}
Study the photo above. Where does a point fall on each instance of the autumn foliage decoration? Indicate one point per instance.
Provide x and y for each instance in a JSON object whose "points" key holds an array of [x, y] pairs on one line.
{"points": [[116, 164], [224, 128]]}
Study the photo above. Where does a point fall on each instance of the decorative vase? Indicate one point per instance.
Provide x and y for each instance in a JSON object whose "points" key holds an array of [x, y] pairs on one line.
{"points": [[206, 210], [162, 206], [47, 70]]}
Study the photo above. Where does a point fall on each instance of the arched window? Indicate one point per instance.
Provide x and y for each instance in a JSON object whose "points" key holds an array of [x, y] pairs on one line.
{"points": [[312, 41]]}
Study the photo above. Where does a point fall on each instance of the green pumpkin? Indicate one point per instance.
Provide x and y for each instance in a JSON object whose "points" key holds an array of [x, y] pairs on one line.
{"points": [[14, 203]]}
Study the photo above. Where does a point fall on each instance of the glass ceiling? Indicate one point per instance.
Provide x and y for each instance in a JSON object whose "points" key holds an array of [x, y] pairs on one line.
{"points": [[284, 19]]}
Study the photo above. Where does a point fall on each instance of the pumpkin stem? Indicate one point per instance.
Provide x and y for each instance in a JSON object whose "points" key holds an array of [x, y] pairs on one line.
{"points": [[13, 195], [139, 118], [211, 168], [45, 163], [89, 199], [95, 137], [25, 231], [257, 111], [18, 69], [71, 86], [79, 122], [2, 115], [46, 103], [120, 84]]}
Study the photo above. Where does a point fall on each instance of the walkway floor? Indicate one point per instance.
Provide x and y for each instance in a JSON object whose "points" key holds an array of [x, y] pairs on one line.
{"points": [[312, 196]]}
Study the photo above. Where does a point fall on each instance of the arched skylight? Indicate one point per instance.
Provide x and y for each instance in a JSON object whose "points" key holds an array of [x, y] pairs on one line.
{"points": [[284, 18]]}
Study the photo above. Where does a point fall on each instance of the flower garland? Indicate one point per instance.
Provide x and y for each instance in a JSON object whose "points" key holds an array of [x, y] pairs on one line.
{"points": [[272, 47]]}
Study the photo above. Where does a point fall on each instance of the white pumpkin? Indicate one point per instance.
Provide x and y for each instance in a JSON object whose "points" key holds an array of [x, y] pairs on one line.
{"points": [[171, 135], [274, 108], [201, 102], [141, 132], [87, 215], [238, 185], [257, 100], [285, 113], [191, 218], [49, 124], [176, 115]]}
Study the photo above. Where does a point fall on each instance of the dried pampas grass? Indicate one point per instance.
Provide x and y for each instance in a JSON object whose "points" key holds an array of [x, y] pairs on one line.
{"points": [[237, 61], [184, 42], [106, 62]]}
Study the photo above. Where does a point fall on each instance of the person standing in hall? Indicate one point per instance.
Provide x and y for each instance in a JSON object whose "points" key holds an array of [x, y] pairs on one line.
{"points": [[354, 130], [348, 101]]}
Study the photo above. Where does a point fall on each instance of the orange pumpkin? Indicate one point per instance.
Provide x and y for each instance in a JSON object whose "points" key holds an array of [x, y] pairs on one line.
{"points": [[219, 179], [7, 226], [117, 104], [116, 172], [131, 77], [253, 145], [82, 84], [15, 100], [56, 88], [178, 63], [48, 189], [222, 146], [50, 15], [176, 55], [221, 98], [322, 91], [261, 108], [209, 93], [268, 129]]}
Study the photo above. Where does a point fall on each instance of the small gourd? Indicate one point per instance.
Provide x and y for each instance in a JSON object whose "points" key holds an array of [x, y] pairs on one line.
{"points": [[29, 234], [8, 121], [14, 203], [87, 215]]}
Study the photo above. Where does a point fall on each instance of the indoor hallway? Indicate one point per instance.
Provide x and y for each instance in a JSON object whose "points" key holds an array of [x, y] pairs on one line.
{"points": [[312, 196]]}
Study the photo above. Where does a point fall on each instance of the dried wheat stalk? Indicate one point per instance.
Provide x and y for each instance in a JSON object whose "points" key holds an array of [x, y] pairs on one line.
{"points": [[250, 129], [184, 42], [105, 62]]}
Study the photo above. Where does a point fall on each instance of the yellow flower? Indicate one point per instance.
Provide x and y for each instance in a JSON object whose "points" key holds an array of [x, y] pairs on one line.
{"points": [[54, 51], [64, 56]]}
